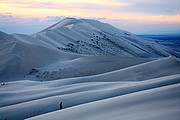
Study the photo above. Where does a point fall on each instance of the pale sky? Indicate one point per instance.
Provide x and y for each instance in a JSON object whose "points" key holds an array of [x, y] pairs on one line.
{"points": [[136, 16]]}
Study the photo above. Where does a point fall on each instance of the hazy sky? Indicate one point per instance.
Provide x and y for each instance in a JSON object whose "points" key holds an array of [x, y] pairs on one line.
{"points": [[136, 16]]}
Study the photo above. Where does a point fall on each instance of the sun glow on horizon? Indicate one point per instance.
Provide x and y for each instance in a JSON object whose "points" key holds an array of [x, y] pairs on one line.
{"points": [[136, 11], [81, 8]]}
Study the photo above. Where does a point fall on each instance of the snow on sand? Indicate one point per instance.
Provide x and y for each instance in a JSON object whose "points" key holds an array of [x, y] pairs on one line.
{"points": [[96, 70]]}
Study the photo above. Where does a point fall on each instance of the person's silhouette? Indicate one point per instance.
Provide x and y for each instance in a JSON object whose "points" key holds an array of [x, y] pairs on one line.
{"points": [[60, 105]]}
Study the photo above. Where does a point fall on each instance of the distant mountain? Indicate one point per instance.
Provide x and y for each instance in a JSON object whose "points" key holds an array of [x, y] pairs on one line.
{"points": [[172, 41]]}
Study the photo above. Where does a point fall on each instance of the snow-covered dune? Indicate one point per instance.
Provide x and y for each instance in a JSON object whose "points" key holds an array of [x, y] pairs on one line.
{"points": [[84, 66], [145, 105], [43, 97], [41, 55], [96, 70], [18, 58], [92, 37], [34, 99]]}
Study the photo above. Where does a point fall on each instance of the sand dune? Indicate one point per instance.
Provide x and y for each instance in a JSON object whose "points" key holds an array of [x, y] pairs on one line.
{"points": [[96, 70]]}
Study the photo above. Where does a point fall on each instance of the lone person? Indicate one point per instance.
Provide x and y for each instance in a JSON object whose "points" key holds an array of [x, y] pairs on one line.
{"points": [[60, 105]]}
